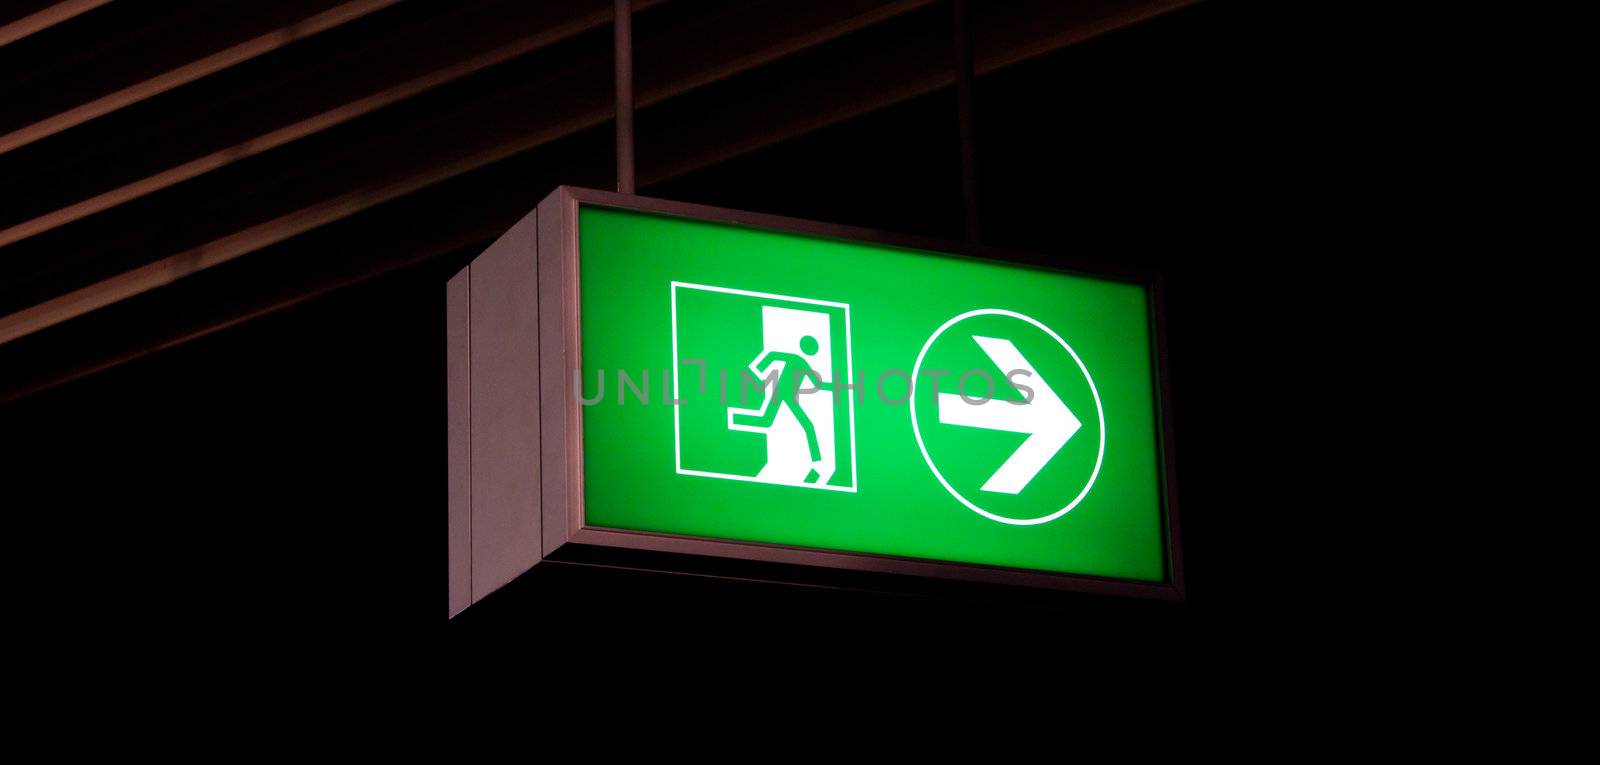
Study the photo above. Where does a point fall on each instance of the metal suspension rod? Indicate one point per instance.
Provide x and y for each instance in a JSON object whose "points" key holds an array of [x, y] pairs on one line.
{"points": [[969, 163], [623, 48]]}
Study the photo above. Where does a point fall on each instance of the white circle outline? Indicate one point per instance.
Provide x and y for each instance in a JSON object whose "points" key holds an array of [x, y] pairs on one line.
{"points": [[916, 430]]}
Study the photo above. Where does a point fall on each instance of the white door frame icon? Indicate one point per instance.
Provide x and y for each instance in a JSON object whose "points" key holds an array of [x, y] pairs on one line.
{"points": [[788, 445]]}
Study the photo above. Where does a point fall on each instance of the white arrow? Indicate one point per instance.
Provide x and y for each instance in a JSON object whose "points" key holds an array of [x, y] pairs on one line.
{"points": [[1047, 421]]}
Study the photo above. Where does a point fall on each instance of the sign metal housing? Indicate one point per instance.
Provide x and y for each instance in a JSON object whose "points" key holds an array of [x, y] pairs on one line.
{"points": [[530, 470]]}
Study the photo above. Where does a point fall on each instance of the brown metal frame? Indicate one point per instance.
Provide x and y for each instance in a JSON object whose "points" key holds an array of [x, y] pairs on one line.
{"points": [[560, 347]]}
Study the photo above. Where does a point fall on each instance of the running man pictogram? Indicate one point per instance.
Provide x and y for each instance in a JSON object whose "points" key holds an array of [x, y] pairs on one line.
{"points": [[786, 392]]}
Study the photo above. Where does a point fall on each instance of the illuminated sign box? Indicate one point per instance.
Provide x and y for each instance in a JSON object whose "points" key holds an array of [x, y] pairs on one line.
{"points": [[727, 384]]}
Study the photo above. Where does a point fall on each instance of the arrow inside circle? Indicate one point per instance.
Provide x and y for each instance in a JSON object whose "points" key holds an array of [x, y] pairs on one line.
{"points": [[1047, 421]]}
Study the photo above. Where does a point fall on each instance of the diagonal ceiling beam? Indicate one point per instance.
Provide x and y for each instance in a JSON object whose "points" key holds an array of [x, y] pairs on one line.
{"points": [[194, 70], [43, 19], [1021, 41], [768, 119], [683, 79], [313, 124]]}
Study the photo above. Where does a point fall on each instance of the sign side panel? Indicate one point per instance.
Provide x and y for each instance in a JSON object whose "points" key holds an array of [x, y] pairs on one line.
{"points": [[458, 365], [505, 409], [556, 365]]}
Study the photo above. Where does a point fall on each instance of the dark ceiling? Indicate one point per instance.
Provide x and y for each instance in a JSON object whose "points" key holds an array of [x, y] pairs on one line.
{"points": [[226, 227], [145, 147]]}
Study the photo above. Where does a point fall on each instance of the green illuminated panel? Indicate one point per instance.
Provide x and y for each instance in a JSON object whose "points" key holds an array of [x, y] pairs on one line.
{"points": [[1054, 467]]}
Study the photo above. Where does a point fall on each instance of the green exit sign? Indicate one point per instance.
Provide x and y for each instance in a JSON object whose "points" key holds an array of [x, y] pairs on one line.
{"points": [[727, 384]]}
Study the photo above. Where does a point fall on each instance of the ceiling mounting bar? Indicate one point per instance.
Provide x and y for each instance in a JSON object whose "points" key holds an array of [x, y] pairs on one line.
{"points": [[623, 47], [962, 29]]}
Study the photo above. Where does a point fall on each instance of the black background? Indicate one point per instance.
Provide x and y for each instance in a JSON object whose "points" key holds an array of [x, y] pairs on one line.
{"points": [[285, 477]]}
